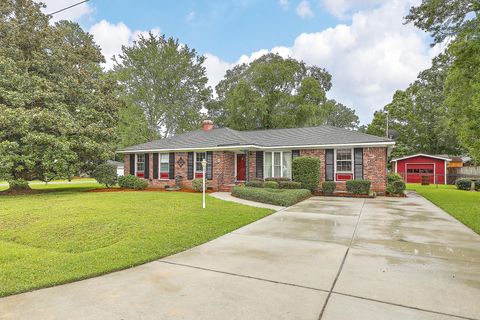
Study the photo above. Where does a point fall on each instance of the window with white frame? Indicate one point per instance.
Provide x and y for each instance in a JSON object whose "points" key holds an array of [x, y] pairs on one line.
{"points": [[164, 163], [140, 163], [277, 164], [344, 160], [199, 156]]}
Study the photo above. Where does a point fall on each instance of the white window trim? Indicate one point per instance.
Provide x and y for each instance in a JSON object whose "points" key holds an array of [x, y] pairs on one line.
{"points": [[136, 161], [281, 161], [195, 162], [335, 164], [160, 165]]}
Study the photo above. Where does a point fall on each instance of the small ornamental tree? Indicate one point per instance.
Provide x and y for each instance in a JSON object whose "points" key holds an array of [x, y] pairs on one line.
{"points": [[306, 170], [106, 174]]}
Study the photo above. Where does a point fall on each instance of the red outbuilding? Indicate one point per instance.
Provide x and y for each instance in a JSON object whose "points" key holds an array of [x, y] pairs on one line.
{"points": [[413, 168]]}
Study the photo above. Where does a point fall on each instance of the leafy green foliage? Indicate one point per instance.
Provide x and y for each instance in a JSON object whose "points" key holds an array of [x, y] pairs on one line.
{"points": [[289, 185], [254, 184], [18, 184], [277, 179], [131, 182], [477, 185], [445, 18], [105, 174], [306, 170], [197, 185], [279, 197], [273, 92], [167, 81], [328, 187], [358, 186], [58, 111], [463, 184], [395, 184], [270, 184], [59, 237]]}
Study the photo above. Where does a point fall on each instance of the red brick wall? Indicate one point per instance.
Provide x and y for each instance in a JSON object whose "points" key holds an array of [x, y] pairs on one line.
{"points": [[375, 168], [126, 164], [252, 165]]}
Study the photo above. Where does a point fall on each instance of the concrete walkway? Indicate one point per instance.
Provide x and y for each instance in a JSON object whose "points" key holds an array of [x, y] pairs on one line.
{"points": [[324, 258], [227, 196]]}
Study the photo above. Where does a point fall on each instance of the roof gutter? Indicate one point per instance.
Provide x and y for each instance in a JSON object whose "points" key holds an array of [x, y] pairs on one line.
{"points": [[257, 147]]}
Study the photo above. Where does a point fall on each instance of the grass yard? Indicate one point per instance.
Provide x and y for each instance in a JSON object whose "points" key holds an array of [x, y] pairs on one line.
{"points": [[463, 205], [75, 184], [57, 237]]}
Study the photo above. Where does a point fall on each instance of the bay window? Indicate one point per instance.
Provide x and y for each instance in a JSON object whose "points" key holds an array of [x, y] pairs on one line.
{"points": [[277, 164], [164, 165]]}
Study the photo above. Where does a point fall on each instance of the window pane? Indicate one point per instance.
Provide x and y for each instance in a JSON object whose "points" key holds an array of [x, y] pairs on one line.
{"points": [[287, 164], [140, 162], [277, 166], [267, 168], [164, 167], [344, 160], [164, 157], [199, 158]]}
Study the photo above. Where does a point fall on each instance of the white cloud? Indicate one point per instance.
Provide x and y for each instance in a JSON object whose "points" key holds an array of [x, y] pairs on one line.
{"points": [[284, 4], [304, 10], [190, 16], [110, 37], [369, 59], [341, 8], [74, 14]]}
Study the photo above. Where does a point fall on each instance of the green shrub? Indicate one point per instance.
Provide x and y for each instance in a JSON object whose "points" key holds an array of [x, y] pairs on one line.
{"points": [[289, 185], [279, 197], [132, 182], [391, 177], [277, 179], [477, 185], [254, 184], [18, 184], [358, 186], [270, 184], [463, 184], [396, 187], [105, 174], [197, 185], [328, 187], [306, 170]]}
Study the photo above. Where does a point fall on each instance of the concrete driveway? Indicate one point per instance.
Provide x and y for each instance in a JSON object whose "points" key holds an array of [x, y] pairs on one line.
{"points": [[325, 258]]}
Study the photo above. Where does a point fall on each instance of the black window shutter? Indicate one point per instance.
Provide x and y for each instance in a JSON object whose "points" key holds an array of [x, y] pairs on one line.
{"points": [[147, 166], [190, 166], [171, 165], [209, 165], [295, 153], [155, 166], [358, 163], [259, 164], [329, 167], [132, 164]]}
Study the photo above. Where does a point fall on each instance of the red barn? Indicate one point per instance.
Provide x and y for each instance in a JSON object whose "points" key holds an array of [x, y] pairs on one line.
{"points": [[413, 168]]}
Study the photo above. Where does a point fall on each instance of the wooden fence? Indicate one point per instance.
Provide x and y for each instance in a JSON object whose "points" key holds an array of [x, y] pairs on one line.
{"points": [[463, 172]]}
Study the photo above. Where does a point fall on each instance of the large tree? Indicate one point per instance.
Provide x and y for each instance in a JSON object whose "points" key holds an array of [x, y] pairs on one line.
{"points": [[57, 109], [166, 80], [419, 114], [273, 92]]}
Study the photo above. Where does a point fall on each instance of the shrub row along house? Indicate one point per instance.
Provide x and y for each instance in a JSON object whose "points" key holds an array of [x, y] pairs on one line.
{"points": [[237, 156]]}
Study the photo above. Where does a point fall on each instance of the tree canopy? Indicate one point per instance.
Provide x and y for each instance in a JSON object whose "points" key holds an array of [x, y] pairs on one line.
{"points": [[274, 92], [164, 79], [57, 109]]}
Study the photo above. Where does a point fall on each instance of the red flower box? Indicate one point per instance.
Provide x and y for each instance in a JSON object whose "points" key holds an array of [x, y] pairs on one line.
{"points": [[344, 176]]}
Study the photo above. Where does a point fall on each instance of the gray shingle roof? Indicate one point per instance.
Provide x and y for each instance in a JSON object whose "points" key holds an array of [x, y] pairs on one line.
{"points": [[294, 137]]}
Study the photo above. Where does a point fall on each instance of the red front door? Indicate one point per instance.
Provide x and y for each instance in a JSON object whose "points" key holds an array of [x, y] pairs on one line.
{"points": [[241, 167]]}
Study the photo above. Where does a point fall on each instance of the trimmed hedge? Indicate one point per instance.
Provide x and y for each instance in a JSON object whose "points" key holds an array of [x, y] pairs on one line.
{"points": [[358, 186], [277, 179], [270, 184], [392, 177], [106, 174], [463, 184], [395, 184], [254, 184], [279, 197], [289, 185], [132, 182], [328, 187], [306, 170]]}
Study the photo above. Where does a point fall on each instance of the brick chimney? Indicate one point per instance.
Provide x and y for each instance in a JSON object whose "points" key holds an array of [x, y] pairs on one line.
{"points": [[207, 125]]}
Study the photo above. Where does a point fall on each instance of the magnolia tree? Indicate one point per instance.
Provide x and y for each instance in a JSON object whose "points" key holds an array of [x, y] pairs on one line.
{"points": [[58, 109]]}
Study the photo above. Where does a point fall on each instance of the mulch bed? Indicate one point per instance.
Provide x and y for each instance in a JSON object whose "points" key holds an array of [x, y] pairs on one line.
{"points": [[146, 190]]}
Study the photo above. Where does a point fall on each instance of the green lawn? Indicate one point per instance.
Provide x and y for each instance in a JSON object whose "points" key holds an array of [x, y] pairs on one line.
{"points": [[76, 184], [463, 205], [58, 237]]}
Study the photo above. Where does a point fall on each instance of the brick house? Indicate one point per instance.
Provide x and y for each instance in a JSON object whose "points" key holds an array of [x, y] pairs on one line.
{"points": [[234, 157]]}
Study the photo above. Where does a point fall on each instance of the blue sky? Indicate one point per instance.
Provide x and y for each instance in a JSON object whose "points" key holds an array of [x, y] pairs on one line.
{"points": [[362, 43]]}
